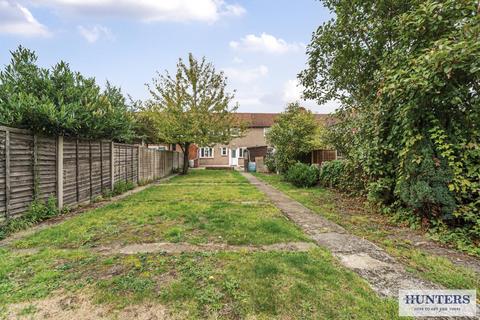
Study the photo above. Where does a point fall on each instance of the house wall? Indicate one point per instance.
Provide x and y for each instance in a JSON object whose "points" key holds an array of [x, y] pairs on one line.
{"points": [[253, 137]]}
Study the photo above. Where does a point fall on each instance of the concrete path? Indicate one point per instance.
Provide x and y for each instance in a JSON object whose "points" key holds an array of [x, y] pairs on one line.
{"points": [[383, 273]]}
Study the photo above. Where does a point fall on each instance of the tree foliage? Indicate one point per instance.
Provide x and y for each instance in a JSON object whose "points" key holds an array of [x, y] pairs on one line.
{"points": [[192, 106], [408, 75], [60, 101], [293, 135]]}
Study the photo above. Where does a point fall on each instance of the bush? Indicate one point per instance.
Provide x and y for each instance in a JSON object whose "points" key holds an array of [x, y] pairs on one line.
{"points": [[342, 175], [37, 212], [270, 162], [122, 186], [302, 175]]}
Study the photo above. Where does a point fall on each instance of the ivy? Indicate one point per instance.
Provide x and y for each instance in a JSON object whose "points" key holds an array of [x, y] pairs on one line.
{"points": [[408, 74]]}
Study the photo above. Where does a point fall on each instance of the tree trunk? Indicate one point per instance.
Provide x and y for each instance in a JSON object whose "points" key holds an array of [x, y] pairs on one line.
{"points": [[185, 158]]}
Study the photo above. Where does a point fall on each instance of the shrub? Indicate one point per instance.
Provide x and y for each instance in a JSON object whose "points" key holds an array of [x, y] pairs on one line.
{"points": [[342, 175], [37, 212], [122, 186], [302, 175], [270, 162]]}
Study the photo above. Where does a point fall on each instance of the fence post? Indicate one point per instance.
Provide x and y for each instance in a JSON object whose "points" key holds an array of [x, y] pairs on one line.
{"points": [[7, 174], [112, 165], [138, 163], [60, 172]]}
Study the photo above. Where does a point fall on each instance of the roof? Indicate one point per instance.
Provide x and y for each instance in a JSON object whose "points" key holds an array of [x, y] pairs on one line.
{"points": [[265, 120]]}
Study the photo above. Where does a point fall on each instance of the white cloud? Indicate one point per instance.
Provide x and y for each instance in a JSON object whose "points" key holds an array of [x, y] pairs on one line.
{"points": [[18, 20], [292, 91], [265, 43], [94, 33], [151, 10], [246, 75]]}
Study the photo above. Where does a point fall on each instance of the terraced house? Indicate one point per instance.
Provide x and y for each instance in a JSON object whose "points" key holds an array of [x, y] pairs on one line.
{"points": [[233, 153]]}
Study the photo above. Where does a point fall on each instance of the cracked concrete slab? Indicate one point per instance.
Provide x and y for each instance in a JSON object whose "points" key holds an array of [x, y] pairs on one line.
{"points": [[384, 274]]}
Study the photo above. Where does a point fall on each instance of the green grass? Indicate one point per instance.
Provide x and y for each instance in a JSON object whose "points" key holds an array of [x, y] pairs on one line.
{"points": [[376, 228], [233, 214], [268, 285], [225, 285]]}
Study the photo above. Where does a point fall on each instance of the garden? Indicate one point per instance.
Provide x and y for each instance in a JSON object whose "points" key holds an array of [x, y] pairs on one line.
{"points": [[76, 267]]}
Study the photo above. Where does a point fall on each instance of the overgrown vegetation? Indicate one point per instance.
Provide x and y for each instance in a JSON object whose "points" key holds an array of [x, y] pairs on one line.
{"points": [[342, 175], [407, 73], [37, 212], [59, 101], [302, 175], [122, 186]]}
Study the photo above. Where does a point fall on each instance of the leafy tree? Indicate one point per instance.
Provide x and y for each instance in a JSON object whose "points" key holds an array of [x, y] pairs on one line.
{"points": [[292, 135], [192, 107], [407, 73], [60, 101]]}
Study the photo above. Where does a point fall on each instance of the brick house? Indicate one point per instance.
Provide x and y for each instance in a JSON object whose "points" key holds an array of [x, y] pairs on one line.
{"points": [[232, 154]]}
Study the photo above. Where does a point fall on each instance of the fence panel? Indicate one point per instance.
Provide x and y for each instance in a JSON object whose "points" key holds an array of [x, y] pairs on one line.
{"points": [[28, 168], [46, 168], [320, 156]]}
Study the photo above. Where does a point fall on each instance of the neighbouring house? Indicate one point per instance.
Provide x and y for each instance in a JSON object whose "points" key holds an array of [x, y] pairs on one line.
{"points": [[233, 153]]}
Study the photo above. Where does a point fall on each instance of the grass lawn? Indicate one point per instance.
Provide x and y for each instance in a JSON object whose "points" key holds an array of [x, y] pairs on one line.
{"points": [[212, 211], [376, 228], [225, 285]]}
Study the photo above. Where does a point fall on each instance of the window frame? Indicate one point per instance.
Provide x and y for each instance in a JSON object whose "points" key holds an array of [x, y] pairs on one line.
{"points": [[224, 149], [241, 152], [203, 155], [266, 130]]}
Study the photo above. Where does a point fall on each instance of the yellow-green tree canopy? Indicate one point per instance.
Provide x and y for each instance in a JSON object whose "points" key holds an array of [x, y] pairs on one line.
{"points": [[192, 106]]}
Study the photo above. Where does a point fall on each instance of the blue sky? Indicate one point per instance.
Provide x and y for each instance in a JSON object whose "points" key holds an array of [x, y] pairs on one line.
{"points": [[260, 44]]}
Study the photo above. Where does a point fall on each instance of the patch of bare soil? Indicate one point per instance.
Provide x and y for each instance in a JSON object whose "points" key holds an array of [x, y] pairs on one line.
{"points": [[80, 307], [354, 206]]}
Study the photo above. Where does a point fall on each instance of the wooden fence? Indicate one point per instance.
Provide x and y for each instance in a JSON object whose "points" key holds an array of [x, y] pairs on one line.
{"points": [[74, 171], [320, 156]]}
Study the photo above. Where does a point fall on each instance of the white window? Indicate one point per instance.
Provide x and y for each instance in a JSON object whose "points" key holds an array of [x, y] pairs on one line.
{"points": [[265, 131], [241, 151], [206, 152], [338, 155], [224, 151]]}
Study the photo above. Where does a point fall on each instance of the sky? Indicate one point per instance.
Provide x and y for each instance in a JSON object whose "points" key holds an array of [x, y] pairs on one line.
{"points": [[259, 44]]}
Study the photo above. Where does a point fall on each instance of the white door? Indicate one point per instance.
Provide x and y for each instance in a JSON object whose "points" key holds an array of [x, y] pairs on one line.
{"points": [[233, 157]]}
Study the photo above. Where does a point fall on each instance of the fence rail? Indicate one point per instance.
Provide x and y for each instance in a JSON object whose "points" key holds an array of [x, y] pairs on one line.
{"points": [[74, 171]]}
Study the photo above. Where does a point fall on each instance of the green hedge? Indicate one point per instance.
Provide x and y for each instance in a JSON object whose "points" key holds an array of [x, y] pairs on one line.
{"points": [[302, 175], [342, 175]]}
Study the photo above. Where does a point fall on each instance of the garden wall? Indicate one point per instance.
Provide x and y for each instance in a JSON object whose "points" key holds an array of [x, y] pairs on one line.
{"points": [[74, 171]]}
